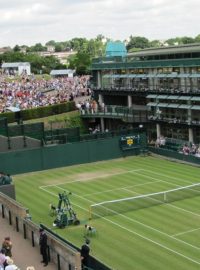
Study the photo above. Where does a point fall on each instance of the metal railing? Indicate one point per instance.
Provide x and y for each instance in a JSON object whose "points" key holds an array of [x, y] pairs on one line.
{"points": [[120, 112]]}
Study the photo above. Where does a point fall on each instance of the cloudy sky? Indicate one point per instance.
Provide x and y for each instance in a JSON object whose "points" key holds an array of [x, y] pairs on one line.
{"points": [[32, 21]]}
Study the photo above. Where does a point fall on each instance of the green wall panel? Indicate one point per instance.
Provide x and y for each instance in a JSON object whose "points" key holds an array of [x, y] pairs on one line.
{"points": [[62, 155]]}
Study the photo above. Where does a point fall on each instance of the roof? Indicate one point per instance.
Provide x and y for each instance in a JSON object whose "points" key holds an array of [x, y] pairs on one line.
{"points": [[116, 49], [187, 48], [62, 71], [16, 64], [12, 109]]}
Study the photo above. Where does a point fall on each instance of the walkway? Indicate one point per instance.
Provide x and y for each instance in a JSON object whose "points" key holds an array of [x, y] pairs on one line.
{"points": [[23, 253]]}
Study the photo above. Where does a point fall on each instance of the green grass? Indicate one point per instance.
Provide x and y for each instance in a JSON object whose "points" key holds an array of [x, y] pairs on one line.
{"points": [[163, 237]]}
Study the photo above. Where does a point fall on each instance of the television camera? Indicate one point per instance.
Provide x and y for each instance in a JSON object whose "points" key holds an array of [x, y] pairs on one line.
{"points": [[64, 212]]}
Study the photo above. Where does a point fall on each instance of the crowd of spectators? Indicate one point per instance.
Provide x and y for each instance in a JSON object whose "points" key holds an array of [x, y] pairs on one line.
{"points": [[30, 92], [6, 262], [191, 149], [178, 145]]}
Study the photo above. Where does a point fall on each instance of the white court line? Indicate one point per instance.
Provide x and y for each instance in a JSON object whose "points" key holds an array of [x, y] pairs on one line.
{"points": [[136, 221], [170, 205], [135, 233], [135, 171], [92, 178], [177, 234], [175, 178], [114, 189]]}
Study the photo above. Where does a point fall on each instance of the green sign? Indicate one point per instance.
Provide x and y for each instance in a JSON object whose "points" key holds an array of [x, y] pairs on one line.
{"points": [[130, 142]]}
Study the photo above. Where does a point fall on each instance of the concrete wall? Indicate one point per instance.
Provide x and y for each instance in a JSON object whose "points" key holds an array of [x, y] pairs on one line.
{"points": [[8, 190], [16, 214]]}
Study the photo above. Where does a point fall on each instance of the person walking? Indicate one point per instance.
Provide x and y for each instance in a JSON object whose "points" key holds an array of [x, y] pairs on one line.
{"points": [[43, 246]]}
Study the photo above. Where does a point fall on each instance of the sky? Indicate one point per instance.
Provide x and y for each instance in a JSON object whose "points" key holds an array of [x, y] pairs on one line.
{"points": [[27, 22]]}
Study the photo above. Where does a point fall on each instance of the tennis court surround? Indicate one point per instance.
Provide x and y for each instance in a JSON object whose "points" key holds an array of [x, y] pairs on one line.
{"points": [[164, 236]]}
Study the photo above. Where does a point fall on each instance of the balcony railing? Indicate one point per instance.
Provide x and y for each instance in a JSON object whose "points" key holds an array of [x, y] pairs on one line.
{"points": [[173, 120], [119, 112], [159, 90]]}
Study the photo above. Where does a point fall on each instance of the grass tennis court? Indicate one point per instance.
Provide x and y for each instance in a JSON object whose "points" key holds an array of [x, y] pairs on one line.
{"points": [[165, 236]]}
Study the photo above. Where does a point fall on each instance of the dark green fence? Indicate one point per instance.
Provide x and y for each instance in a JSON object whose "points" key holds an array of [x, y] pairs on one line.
{"points": [[34, 130], [64, 155], [175, 155]]}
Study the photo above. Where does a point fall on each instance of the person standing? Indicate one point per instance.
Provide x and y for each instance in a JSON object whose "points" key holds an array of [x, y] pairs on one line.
{"points": [[7, 245], [43, 246], [85, 250]]}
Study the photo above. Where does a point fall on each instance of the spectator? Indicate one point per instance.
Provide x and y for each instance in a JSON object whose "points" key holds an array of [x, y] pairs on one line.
{"points": [[10, 264], [85, 250], [7, 245], [2, 258], [31, 93], [43, 247]]}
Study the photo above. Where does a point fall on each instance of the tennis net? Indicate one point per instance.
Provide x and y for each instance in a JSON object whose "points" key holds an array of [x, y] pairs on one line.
{"points": [[119, 206]]}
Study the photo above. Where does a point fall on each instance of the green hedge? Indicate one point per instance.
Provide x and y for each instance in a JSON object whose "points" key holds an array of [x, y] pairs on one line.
{"points": [[41, 111]]}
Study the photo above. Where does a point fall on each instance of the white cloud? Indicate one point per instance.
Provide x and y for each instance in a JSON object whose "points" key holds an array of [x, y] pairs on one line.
{"points": [[32, 21]]}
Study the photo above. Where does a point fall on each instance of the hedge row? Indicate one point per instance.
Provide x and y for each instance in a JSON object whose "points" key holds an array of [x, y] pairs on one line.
{"points": [[41, 111]]}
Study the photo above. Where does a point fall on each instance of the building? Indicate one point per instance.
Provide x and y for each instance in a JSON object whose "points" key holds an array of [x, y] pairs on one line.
{"points": [[18, 68], [61, 56], [115, 49], [62, 72], [157, 88]]}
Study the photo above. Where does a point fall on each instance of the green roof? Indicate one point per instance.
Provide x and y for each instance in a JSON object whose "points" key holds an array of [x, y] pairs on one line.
{"points": [[115, 49]]}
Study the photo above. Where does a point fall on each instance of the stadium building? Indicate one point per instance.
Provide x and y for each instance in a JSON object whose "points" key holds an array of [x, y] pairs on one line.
{"points": [[156, 88]]}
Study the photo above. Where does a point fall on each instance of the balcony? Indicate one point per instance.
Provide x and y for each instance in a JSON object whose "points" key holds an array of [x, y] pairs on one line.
{"points": [[175, 121], [139, 89], [126, 114]]}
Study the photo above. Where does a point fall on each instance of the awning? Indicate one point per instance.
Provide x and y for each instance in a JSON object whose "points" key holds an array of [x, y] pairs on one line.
{"points": [[151, 75], [173, 105], [163, 105], [123, 76], [154, 104], [151, 96], [12, 109], [172, 75], [184, 106], [161, 75], [173, 97], [131, 75], [115, 76], [141, 76], [195, 98], [195, 107], [195, 75], [183, 75], [162, 96], [185, 97]]}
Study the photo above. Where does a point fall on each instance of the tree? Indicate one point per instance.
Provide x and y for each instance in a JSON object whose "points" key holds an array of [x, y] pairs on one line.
{"points": [[187, 40], [137, 42], [155, 43], [197, 38], [16, 48], [80, 62], [38, 48], [58, 48], [51, 43]]}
